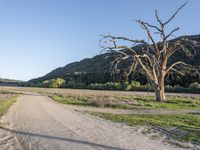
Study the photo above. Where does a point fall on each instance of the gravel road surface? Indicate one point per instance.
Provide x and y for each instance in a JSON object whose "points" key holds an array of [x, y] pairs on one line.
{"points": [[36, 122]]}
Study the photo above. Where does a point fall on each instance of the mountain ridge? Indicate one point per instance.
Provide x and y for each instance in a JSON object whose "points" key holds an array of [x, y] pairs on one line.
{"points": [[99, 66]]}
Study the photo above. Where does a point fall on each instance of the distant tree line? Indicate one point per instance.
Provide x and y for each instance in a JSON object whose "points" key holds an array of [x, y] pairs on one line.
{"points": [[126, 86]]}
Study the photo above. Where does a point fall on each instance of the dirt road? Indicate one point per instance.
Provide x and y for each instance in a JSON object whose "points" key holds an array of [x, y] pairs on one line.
{"points": [[35, 122]]}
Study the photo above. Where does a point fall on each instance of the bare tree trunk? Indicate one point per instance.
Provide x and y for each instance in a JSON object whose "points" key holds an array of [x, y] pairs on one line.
{"points": [[160, 90], [160, 94]]}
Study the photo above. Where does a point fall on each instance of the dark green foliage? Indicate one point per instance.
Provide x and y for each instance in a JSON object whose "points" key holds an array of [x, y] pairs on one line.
{"points": [[133, 86], [106, 86], [53, 83]]}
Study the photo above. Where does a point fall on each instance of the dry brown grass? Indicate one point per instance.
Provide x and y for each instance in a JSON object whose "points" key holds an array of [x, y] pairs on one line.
{"points": [[92, 93]]}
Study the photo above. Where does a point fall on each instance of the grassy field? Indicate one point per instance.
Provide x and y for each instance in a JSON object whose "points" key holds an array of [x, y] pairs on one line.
{"points": [[119, 99], [130, 102]]}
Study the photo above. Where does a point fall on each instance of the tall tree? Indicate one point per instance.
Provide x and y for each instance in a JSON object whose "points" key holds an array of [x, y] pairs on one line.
{"points": [[153, 57]]}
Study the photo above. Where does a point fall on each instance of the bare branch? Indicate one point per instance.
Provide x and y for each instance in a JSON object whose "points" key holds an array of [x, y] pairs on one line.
{"points": [[152, 26], [158, 19], [179, 72], [176, 29], [177, 63], [175, 13], [133, 67], [125, 39], [149, 35]]}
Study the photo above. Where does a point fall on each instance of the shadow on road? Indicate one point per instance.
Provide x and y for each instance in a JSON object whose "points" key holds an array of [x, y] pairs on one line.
{"points": [[61, 139]]}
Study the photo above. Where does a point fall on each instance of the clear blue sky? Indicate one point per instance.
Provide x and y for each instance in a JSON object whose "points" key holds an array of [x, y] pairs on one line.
{"points": [[37, 36]]}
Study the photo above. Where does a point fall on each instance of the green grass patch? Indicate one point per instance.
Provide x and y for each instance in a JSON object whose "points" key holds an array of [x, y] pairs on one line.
{"points": [[188, 125], [84, 101], [6, 103], [172, 102], [131, 102], [71, 100]]}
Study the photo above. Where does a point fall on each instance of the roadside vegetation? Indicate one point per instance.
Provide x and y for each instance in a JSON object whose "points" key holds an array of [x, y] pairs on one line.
{"points": [[133, 86], [6, 100], [182, 127], [130, 102]]}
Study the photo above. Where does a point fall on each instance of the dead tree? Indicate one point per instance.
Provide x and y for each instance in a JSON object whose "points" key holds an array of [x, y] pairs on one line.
{"points": [[153, 57]]}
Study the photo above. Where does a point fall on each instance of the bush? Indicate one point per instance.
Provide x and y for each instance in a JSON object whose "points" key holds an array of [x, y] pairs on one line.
{"points": [[135, 84], [113, 86], [75, 85], [55, 83], [194, 85], [128, 87], [105, 86], [100, 102]]}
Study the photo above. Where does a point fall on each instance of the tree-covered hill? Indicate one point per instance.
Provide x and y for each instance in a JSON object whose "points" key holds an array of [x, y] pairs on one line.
{"points": [[97, 70]]}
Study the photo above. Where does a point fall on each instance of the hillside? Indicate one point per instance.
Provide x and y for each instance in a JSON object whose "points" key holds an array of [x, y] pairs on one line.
{"points": [[96, 70], [9, 82], [97, 65]]}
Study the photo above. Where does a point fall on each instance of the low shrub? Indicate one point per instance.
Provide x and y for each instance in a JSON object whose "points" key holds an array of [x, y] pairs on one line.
{"points": [[100, 103], [194, 85]]}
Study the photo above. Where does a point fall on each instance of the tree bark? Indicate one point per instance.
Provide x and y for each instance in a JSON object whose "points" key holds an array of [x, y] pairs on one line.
{"points": [[160, 94], [160, 90]]}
